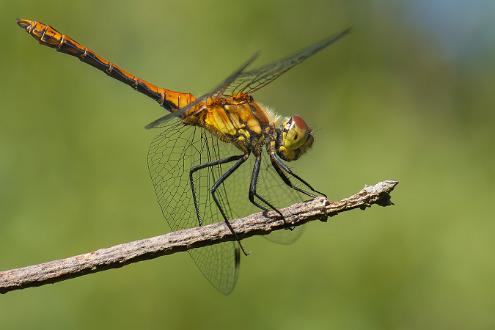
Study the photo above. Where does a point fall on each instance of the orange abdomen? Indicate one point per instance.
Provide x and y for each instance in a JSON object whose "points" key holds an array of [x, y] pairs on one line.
{"points": [[48, 36]]}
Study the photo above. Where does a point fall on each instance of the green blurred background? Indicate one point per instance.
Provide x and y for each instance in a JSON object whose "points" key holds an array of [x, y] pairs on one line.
{"points": [[407, 96]]}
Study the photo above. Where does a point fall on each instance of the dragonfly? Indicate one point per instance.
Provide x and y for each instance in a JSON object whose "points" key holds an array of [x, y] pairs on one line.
{"points": [[218, 156]]}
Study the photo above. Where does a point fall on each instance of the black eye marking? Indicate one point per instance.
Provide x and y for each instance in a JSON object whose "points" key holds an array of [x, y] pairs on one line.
{"points": [[295, 137]]}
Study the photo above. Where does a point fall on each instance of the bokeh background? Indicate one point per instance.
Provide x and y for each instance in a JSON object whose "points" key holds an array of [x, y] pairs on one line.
{"points": [[407, 96]]}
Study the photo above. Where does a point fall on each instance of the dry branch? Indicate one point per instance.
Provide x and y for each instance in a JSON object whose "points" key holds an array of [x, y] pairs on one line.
{"points": [[127, 253]]}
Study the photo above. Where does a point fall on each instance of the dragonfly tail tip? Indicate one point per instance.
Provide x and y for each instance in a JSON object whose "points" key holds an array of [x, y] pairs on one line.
{"points": [[23, 23]]}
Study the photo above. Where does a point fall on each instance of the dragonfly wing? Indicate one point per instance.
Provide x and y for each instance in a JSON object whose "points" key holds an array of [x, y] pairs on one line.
{"points": [[250, 81], [171, 155], [220, 89]]}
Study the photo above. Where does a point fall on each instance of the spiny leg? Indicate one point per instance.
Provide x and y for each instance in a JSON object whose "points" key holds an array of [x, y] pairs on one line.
{"points": [[252, 189], [202, 166], [214, 189], [288, 170], [286, 180]]}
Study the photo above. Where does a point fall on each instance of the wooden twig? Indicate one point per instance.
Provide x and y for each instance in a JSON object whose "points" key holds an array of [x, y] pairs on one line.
{"points": [[149, 248]]}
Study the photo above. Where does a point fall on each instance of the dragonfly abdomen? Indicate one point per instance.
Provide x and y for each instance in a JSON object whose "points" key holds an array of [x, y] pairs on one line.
{"points": [[48, 36]]}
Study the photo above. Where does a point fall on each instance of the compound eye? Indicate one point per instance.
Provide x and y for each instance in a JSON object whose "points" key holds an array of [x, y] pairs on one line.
{"points": [[299, 122]]}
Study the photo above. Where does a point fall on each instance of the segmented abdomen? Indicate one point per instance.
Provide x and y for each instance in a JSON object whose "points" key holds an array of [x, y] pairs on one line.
{"points": [[48, 36]]}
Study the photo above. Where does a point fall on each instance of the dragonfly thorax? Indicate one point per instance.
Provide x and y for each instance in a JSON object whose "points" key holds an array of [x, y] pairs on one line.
{"points": [[294, 138]]}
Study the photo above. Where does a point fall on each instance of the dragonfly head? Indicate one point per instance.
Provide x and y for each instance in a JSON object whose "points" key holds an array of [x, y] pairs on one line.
{"points": [[294, 138]]}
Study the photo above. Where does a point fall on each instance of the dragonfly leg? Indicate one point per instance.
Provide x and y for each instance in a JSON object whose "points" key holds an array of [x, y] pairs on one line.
{"points": [[277, 161], [217, 184], [202, 166], [252, 189], [287, 181]]}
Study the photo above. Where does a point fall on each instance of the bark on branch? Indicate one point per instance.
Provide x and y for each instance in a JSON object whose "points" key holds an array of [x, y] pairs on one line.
{"points": [[154, 247]]}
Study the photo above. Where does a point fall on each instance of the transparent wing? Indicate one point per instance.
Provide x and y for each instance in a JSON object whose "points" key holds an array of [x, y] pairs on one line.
{"points": [[250, 81], [171, 155]]}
